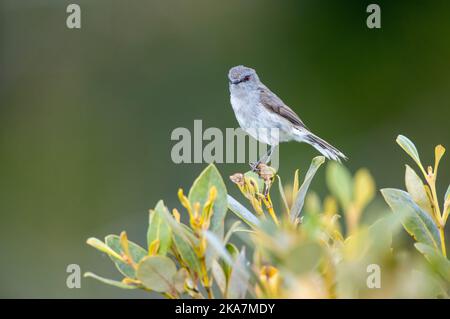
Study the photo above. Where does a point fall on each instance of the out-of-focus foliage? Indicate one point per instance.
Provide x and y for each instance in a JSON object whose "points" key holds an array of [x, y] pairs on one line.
{"points": [[419, 208], [311, 248]]}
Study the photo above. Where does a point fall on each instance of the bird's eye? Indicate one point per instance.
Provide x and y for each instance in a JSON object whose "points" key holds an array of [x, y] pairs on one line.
{"points": [[246, 78]]}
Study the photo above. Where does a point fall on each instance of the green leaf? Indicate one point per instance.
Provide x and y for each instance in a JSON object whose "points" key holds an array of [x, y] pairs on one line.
{"points": [[179, 229], [440, 264], [199, 192], [98, 244], [416, 189], [380, 234], [110, 282], [233, 228], [219, 276], [184, 241], [239, 278], [282, 194], [180, 279], [296, 184], [159, 229], [186, 252], [301, 194], [242, 212], [218, 247], [339, 181], [446, 205], [232, 252], [415, 221], [136, 251], [410, 149], [157, 273]]}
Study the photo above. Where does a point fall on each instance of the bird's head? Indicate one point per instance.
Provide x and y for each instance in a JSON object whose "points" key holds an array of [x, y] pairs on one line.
{"points": [[242, 76]]}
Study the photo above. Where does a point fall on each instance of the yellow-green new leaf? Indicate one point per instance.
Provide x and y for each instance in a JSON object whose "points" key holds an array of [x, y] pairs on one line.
{"points": [[296, 184], [363, 188], [339, 181], [153, 248], [123, 238], [416, 189], [159, 229], [136, 252], [447, 195], [312, 203], [110, 282], [157, 273], [98, 244], [301, 194], [438, 153]]}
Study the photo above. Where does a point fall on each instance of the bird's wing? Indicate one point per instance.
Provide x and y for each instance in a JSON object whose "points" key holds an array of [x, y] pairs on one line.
{"points": [[274, 104]]}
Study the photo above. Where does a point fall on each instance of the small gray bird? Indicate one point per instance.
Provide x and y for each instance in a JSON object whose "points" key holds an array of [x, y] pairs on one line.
{"points": [[258, 109]]}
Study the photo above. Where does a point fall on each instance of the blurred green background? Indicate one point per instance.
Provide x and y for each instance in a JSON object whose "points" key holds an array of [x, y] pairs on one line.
{"points": [[86, 115]]}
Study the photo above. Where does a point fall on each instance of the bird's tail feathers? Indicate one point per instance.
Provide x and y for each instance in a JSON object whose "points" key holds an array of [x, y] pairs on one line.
{"points": [[325, 148]]}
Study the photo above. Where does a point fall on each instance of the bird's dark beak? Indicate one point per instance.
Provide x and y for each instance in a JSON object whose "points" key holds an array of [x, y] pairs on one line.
{"points": [[235, 82]]}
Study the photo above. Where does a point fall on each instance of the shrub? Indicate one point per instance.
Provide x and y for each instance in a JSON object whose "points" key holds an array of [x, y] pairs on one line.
{"points": [[302, 250]]}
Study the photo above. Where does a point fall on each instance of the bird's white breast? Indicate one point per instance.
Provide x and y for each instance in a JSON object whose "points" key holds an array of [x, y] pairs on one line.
{"points": [[256, 120]]}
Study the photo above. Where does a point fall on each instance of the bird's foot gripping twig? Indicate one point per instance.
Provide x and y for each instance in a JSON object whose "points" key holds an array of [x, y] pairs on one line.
{"points": [[255, 166]]}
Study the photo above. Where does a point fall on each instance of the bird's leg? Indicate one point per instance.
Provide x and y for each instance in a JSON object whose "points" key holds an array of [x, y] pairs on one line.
{"points": [[254, 166], [269, 154], [265, 159]]}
